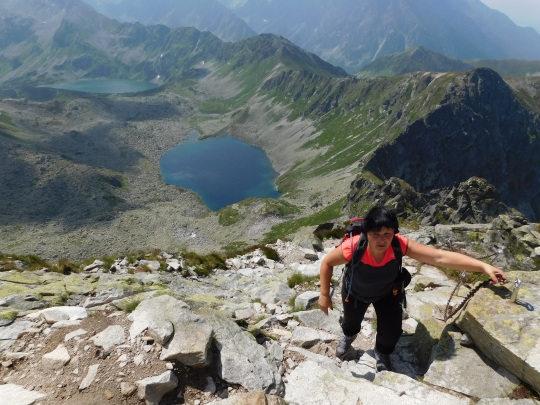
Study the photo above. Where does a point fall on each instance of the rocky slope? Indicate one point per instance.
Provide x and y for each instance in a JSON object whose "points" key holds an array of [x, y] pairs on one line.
{"points": [[476, 131], [249, 334]]}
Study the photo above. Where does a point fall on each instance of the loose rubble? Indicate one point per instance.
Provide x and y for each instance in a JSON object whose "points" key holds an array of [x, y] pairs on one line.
{"points": [[244, 336]]}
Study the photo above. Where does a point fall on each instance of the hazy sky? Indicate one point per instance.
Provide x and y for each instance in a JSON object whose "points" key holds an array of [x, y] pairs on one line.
{"points": [[525, 13]]}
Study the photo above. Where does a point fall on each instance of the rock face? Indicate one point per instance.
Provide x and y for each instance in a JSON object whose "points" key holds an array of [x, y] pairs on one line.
{"points": [[508, 333], [487, 132], [466, 214], [473, 201], [208, 341]]}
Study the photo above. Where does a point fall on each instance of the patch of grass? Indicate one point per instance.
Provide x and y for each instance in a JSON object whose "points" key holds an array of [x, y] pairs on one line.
{"points": [[32, 262], [130, 306], [204, 264], [142, 269], [13, 137], [294, 280], [284, 229], [234, 247], [337, 232], [298, 279], [8, 314], [228, 216], [65, 266], [270, 253]]}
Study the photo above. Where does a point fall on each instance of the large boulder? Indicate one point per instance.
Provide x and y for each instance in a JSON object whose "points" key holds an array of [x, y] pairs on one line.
{"points": [[457, 367], [185, 336], [241, 359], [508, 332]]}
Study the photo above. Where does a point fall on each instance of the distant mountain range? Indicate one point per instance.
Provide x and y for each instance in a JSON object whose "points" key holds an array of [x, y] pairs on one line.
{"points": [[420, 58], [205, 15], [348, 33], [49, 42]]}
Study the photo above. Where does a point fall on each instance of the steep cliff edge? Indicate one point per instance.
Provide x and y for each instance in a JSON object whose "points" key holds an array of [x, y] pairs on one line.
{"points": [[479, 128]]}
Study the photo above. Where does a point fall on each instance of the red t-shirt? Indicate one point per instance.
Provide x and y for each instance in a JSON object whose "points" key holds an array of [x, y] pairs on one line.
{"points": [[368, 258]]}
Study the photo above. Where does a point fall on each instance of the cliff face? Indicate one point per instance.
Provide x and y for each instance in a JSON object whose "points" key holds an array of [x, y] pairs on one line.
{"points": [[480, 129]]}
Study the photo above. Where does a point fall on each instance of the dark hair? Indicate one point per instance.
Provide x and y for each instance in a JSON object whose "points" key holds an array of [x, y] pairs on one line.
{"points": [[379, 217]]}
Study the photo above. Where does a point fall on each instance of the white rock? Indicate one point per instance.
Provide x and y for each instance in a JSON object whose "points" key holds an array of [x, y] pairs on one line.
{"points": [[66, 313], [90, 377], [12, 394], [56, 359], [74, 334]]}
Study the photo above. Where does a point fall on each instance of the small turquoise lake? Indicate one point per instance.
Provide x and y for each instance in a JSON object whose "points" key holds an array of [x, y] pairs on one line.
{"points": [[105, 86], [221, 170]]}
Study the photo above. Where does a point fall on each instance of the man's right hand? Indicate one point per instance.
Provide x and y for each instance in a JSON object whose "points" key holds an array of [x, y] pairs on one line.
{"points": [[325, 302]]}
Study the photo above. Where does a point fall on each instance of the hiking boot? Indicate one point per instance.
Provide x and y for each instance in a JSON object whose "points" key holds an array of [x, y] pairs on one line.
{"points": [[344, 344], [384, 363]]}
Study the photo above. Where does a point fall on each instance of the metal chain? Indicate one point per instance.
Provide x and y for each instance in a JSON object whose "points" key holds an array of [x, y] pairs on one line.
{"points": [[462, 304], [448, 315]]}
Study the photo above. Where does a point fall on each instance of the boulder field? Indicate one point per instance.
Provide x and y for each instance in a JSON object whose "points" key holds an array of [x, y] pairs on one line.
{"points": [[248, 334]]}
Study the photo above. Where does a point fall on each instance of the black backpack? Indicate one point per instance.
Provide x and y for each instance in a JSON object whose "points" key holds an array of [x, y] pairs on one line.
{"points": [[402, 280]]}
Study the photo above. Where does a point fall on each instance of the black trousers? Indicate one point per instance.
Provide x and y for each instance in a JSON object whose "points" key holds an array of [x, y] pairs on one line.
{"points": [[389, 318]]}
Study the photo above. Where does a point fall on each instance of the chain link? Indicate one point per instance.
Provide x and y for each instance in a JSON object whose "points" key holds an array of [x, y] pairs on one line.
{"points": [[449, 314]]}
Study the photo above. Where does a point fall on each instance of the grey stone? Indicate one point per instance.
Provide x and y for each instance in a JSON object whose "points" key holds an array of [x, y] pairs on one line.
{"points": [[414, 388], [191, 341], [12, 394], [306, 300], [14, 330], [271, 293], [185, 337], [94, 265], [106, 296], [457, 368], [23, 302], [56, 359], [318, 319], [506, 332], [307, 337], [153, 315], [90, 377], [241, 359], [153, 265], [152, 389], [74, 334], [309, 383], [113, 336], [56, 314]]}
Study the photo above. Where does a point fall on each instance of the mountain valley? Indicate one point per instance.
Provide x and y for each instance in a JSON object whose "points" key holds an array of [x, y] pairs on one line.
{"points": [[81, 172]]}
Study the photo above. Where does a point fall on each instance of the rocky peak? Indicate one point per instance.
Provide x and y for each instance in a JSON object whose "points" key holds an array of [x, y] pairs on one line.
{"points": [[487, 132], [465, 214]]}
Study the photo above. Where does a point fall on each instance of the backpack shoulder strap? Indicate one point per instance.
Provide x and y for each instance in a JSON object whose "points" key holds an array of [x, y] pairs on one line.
{"points": [[398, 252]]}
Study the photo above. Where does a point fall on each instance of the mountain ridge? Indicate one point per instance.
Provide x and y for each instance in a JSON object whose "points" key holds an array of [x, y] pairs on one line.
{"points": [[205, 15], [463, 29], [319, 126]]}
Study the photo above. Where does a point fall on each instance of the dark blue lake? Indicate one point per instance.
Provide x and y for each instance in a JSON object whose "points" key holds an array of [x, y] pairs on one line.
{"points": [[222, 170], [105, 86]]}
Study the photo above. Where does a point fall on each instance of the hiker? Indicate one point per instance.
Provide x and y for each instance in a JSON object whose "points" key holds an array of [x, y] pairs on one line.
{"points": [[373, 275]]}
